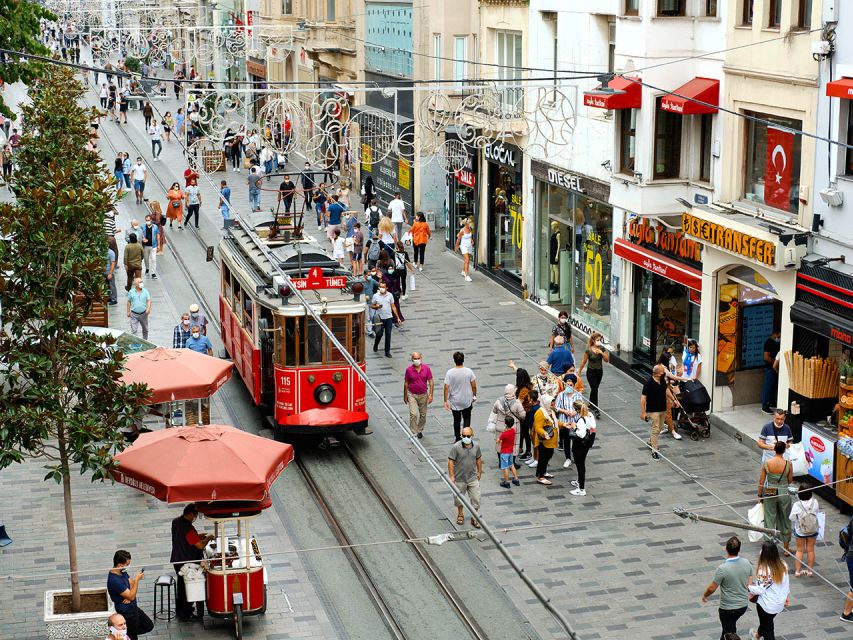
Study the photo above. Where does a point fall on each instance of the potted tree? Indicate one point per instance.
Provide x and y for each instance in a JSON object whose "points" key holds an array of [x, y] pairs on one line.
{"points": [[62, 400]]}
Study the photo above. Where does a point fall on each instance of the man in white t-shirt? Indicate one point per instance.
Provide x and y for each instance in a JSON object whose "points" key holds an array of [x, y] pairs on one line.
{"points": [[156, 135], [139, 174], [397, 211]]}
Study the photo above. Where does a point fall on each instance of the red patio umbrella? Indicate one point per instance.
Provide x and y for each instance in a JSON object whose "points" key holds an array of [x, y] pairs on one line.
{"points": [[202, 464], [177, 374]]}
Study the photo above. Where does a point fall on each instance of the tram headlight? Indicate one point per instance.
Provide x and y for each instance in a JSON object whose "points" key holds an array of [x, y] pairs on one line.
{"points": [[324, 394]]}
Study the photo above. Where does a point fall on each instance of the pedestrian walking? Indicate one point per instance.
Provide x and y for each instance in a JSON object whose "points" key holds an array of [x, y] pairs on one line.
{"points": [[187, 546], [123, 106], [567, 417], [181, 332], [190, 174], [8, 161], [563, 329], [193, 201], [306, 179], [338, 247], [126, 168], [225, 204], [110, 229], [368, 194], [806, 526], [384, 314], [197, 318], [770, 583], [593, 361], [155, 133], [133, 255], [387, 237], [460, 393], [103, 94], [357, 250], [691, 359], [465, 245], [123, 590], [147, 113], [180, 118], [418, 387], [544, 434], [286, 191], [507, 406], [320, 198], [167, 124], [175, 205], [110, 274], [773, 432], [372, 215], [776, 474], [334, 217], [118, 166], [732, 579], [397, 213], [266, 159], [139, 173], [138, 308], [653, 404], [561, 359], [199, 343], [150, 242], [507, 448], [254, 181], [582, 438], [465, 468]]}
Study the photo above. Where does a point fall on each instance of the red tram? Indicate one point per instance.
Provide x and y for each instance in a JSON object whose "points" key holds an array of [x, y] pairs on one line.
{"points": [[288, 364]]}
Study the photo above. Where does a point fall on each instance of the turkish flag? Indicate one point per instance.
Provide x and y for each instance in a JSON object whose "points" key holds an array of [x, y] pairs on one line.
{"points": [[778, 168]]}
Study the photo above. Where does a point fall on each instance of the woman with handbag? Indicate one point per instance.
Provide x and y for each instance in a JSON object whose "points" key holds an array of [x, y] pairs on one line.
{"points": [[769, 589], [175, 205], [545, 436], [776, 474], [806, 527], [584, 438]]}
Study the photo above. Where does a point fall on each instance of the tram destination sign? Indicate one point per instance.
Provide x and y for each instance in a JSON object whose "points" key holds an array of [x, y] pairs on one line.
{"points": [[316, 280]]}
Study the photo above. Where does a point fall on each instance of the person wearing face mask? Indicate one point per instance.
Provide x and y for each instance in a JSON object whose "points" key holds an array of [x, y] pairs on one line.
{"points": [[198, 319], [122, 590], [384, 315], [139, 308], [150, 242], [134, 228], [545, 437], [593, 359], [371, 284], [561, 358], [306, 178], [771, 374], [545, 382], [567, 417], [465, 468], [563, 329], [199, 343], [182, 332], [117, 627], [418, 387], [691, 359]]}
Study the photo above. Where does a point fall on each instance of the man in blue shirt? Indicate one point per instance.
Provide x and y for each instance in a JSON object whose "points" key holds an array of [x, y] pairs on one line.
{"points": [[122, 590], [199, 343], [138, 308], [561, 358], [335, 213]]}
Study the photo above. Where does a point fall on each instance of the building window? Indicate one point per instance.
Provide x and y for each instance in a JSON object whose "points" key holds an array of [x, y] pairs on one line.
{"points": [[632, 7], [774, 17], [767, 176], [705, 145], [804, 16], [711, 8], [286, 7], [667, 143], [611, 47], [671, 7], [436, 52], [627, 140], [475, 56], [848, 169], [460, 55], [330, 10], [746, 17], [508, 54]]}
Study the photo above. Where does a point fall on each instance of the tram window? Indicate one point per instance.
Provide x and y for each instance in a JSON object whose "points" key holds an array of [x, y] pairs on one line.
{"points": [[313, 339], [226, 284], [237, 299], [247, 313], [338, 325], [357, 348], [291, 340]]}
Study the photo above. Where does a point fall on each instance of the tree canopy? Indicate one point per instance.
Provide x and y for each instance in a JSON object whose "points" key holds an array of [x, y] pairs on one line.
{"points": [[19, 31]]}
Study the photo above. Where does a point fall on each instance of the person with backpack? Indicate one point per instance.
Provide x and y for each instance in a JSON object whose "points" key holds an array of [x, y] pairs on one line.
{"points": [[372, 215], [805, 524], [776, 474], [374, 248]]}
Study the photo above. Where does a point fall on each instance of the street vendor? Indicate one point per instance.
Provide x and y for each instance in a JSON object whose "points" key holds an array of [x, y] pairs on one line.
{"points": [[187, 546]]}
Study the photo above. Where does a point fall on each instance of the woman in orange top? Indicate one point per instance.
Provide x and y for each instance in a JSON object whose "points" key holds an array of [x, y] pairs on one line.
{"points": [[175, 205], [420, 237]]}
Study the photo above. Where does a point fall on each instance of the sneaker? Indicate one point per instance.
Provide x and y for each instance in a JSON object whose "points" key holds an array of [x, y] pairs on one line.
{"points": [[517, 483], [676, 435], [549, 475], [846, 617], [146, 272], [578, 492], [766, 410], [655, 455], [420, 267], [567, 464], [468, 279], [462, 273], [154, 275], [404, 297], [505, 484], [524, 457], [575, 483], [531, 463]]}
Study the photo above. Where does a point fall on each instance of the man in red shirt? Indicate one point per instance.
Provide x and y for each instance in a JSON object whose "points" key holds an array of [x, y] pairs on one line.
{"points": [[417, 393], [187, 546]]}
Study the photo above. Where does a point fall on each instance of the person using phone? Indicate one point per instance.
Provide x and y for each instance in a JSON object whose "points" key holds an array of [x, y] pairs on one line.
{"points": [[122, 590]]}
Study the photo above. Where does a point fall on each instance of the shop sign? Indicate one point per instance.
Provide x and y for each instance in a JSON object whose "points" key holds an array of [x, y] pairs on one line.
{"points": [[819, 455], [503, 154], [659, 239], [316, 280], [730, 240], [404, 174], [390, 175], [465, 177], [841, 336], [571, 181], [257, 69]]}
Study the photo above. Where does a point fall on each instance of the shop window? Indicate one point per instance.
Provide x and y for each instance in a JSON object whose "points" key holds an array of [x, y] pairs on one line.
{"points": [[627, 140], [711, 8], [667, 143], [632, 7], [747, 12], [848, 167], [774, 14], [555, 213], [804, 14], [705, 145], [505, 204], [780, 189], [671, 7], [509, 56], [593, 257]]}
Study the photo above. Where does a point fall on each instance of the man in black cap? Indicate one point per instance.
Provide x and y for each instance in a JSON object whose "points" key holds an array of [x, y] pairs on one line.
{"points": [[187, 546]]}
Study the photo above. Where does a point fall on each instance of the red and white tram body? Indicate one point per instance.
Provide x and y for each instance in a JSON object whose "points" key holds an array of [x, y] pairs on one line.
{"points": [[288, 364]]}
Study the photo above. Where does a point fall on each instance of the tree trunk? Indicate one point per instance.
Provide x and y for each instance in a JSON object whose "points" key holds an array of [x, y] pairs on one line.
{"points": [[69, 521]]}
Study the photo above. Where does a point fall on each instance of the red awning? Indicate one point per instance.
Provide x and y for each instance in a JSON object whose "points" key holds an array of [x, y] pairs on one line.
{"points": [[842, 88], [630, 95], [680, 273], [705, 90]]}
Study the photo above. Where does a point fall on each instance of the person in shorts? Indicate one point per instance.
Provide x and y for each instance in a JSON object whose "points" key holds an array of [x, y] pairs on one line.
{"points": [[357, 250], [506, 442]]}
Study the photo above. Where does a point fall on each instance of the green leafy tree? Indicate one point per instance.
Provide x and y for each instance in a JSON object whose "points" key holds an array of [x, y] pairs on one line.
{"points": [[61, 400], [19, 31]]}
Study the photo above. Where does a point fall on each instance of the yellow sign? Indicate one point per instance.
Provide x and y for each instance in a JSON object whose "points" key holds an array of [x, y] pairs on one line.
{"points": [[366, 158], [737, 242], [404, 176]]}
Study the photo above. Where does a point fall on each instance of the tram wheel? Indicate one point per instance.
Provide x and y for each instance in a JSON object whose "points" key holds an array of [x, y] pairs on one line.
{"points": [[238, 621]]}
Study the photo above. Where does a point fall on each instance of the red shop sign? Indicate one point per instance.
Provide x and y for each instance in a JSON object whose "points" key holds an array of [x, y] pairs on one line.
{"points": [[680, 273]]}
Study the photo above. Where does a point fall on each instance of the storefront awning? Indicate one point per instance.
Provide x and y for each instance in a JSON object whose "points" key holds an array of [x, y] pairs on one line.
{"points": [[842, 88], [619, 93], [680, 273], [822, 322], [691, 97]]}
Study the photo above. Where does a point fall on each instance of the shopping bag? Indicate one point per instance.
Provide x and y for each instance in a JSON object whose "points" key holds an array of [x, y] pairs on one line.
{"points": [[407, 238], [797, 456], [756, 519], [821, 525], [412, 282]]}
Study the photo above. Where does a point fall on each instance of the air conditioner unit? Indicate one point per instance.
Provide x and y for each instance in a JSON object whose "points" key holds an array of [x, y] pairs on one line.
{"points": [[831, 196]]}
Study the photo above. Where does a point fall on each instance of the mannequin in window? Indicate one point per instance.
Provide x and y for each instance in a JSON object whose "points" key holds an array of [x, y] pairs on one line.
{"points": [[554, 256]]}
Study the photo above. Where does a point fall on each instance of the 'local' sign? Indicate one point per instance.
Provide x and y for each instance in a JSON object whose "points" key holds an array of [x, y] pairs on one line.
{"points": [[316, 280]]}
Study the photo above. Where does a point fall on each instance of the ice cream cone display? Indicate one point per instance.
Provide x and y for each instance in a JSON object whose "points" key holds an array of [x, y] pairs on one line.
{"points": [[813, 377]]}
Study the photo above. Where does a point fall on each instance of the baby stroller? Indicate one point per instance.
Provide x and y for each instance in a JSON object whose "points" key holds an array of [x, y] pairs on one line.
{"points": [[692, 416]]}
